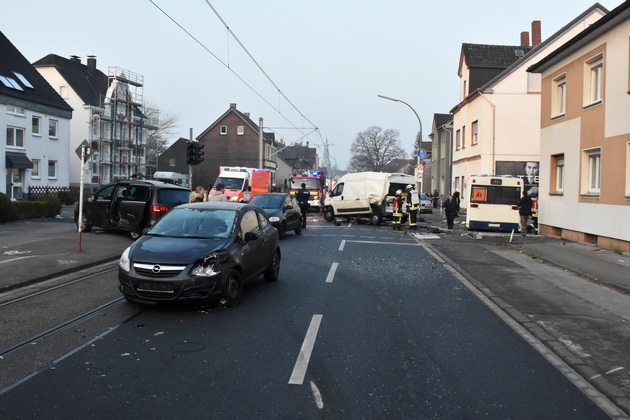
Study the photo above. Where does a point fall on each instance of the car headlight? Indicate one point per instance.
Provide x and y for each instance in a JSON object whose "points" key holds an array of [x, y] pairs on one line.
{"points": [[274, 219], [124, 262], [208, 267]]}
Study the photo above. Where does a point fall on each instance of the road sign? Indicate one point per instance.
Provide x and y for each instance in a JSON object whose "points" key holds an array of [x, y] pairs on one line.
{"points": [[422, 153], [88, 150]]}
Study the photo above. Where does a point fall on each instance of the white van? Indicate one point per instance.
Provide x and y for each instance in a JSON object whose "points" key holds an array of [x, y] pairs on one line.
{"points": [[365, 194], [172, 178]]}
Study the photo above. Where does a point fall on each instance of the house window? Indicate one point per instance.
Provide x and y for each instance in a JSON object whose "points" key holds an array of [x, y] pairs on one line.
{"points": [[52, 128], [240, 130], [593, 75], [558, 162], [475, 132], [15, 137], [36, 122], [458, 144], [15, 110], [171, 162], [463, 137], [442, 149], [627, 193], [591, 171], [96, 127], [63, 92], [52, 169], [223, 130], [559, 96], [35, 170]]}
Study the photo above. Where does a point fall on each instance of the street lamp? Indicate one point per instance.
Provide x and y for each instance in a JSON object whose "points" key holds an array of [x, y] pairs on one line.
{"points": [[419, 123]]}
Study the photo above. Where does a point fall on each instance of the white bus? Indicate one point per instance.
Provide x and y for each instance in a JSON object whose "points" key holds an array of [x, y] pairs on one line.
{"points": [[492, 203]]}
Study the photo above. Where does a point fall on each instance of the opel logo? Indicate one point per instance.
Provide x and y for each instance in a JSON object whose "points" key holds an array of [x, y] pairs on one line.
{"points": [[156, 269]]}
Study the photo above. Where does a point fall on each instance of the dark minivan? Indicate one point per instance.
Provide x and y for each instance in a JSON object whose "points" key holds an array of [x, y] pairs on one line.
{"points": [[130, 205]]}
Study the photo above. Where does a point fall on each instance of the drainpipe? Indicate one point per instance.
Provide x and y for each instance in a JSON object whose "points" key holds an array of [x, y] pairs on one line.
{"points": [[492, 169]]}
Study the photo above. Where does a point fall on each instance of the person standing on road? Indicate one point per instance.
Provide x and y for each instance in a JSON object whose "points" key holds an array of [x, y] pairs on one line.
{"points": [[397, 210], [218, 194], [451, 207], [435, 197], [197, 195], [302, 197], [524, 210], [412, 206]]}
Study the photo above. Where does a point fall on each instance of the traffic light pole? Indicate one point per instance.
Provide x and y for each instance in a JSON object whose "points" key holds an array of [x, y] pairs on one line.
{"points": [[190, 178]]}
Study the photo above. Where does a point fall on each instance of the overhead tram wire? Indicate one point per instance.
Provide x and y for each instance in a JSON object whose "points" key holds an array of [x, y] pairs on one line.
{"points": [[234, 72], [227, 27]]}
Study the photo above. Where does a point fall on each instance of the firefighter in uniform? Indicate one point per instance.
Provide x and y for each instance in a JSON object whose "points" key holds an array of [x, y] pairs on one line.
{"points": [[412, 206], [398, 210]]}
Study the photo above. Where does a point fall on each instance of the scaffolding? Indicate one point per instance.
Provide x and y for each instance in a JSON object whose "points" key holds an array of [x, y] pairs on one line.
{"points": [[120, 142]]}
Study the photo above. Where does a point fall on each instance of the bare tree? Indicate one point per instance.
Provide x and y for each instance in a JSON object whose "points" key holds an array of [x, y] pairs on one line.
{"points": [[373, 148], [165, 124]]}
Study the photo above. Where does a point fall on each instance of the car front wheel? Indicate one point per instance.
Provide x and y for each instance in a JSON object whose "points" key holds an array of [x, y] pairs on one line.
{"points": [[329, 214], [273, 271], [233, 289]]}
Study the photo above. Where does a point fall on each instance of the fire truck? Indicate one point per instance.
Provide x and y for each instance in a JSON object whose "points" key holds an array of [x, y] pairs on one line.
{"points": [[314, 181]]}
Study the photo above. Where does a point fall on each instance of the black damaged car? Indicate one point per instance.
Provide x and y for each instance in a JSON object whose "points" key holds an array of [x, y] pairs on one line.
{"points": [[130, 205], [201, 252]]}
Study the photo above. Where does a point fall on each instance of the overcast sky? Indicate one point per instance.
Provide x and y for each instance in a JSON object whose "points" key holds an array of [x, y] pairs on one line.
{"points": [[323, 62]]}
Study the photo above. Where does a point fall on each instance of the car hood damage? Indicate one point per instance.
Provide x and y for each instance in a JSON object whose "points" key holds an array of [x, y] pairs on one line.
{"points": [[166, 250]]}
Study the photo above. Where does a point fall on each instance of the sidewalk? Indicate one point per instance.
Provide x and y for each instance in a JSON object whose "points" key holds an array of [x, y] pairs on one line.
{"points": [[36, 250], [590, 261]]}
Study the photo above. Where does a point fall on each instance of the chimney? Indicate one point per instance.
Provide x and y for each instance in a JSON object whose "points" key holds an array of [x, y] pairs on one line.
{"points": [[536, 37], [524, 39], [233, 105], [75, 58], [91, 64]]}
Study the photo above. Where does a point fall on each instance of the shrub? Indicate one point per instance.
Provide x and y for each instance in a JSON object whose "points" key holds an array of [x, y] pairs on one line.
{"points": [[7, 212]]}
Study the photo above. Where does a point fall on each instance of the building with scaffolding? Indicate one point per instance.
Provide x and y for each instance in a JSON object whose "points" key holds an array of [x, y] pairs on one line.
{"points": [[109, 115]]}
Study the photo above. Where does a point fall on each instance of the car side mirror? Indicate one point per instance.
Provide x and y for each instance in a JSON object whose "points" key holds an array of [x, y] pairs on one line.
{"points": [[145, 231], [251, 236]]}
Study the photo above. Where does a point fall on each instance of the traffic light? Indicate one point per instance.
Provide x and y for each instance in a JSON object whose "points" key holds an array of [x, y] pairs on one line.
{"points": [[191, 153], [199, 153]]}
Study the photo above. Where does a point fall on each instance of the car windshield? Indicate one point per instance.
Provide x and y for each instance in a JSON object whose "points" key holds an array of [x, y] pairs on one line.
{"points": [[195, 223], [267, 201]]}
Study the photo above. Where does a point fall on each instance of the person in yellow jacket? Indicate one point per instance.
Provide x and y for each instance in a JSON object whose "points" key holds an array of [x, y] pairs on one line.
{"points": [[398, 210], [412, 206]]}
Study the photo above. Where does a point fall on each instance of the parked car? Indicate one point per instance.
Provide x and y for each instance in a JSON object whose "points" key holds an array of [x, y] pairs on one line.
{"points": [[130, 205], [426, 205], [201, 252], [282, 209]]}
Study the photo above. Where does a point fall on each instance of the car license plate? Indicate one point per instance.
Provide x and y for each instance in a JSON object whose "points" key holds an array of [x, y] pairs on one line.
{"points": [[154, 286]]}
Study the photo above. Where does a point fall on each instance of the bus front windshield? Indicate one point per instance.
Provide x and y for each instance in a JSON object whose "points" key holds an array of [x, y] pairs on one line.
{"points": [[493, 194]]}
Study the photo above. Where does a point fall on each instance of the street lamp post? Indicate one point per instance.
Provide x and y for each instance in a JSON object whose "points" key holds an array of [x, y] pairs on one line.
{"points": [[419, 164]]}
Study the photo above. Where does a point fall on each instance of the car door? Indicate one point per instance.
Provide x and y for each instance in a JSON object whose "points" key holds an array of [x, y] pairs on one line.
{"points": [[254, 256], [292, 212], [132, 207], [96, 210]]}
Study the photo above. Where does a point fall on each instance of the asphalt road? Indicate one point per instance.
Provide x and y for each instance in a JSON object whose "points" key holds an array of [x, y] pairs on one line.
{"points": [[363, 323]]}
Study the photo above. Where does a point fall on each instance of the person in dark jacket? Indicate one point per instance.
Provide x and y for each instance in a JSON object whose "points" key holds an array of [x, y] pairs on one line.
{"points": [[302, 197], [451, 207], [524, 210], [435, 197]]}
